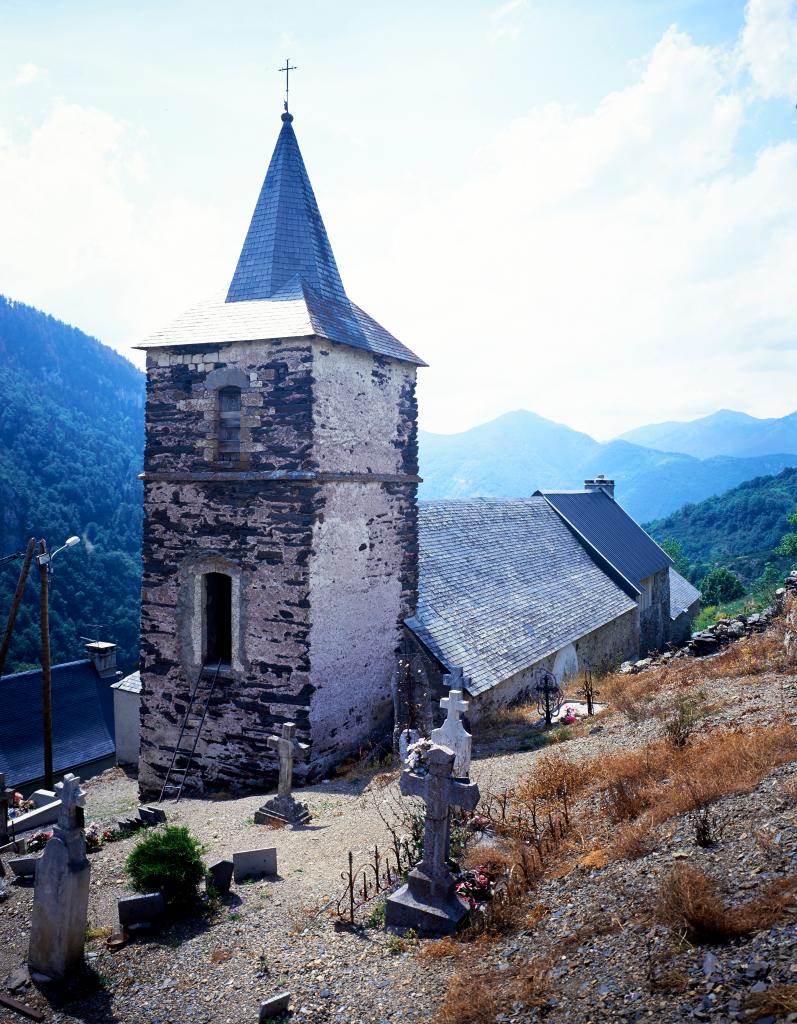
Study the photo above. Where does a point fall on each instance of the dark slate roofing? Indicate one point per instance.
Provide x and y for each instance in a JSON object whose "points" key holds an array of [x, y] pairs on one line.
{"points": [[504, 583], [286, 283], [602, 524], [287, 242], [82, 720], [682, 594]]}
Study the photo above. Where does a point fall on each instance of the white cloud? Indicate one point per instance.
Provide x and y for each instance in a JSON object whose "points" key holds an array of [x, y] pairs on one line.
{"points": [[604, 270], [769, 47], [26, 74], [84, 239], [505, 21]]}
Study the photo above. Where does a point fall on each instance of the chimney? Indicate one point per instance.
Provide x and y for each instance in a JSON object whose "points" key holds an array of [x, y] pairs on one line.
{"points": [[103, 656], [600, 483]]}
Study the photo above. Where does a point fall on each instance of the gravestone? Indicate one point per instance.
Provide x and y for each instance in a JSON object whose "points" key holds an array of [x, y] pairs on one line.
{"points": [[61, 893], [254, 864], [141, 910], [428, 902], [452, 733], [283, 809], [220, 876]]}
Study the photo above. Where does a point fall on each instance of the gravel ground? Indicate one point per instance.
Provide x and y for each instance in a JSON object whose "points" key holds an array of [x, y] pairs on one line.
{"points": [[264, 937]]}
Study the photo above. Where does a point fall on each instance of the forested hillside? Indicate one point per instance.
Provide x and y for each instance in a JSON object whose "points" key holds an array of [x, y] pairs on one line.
{"points": [[738, 529], [71, 433]]}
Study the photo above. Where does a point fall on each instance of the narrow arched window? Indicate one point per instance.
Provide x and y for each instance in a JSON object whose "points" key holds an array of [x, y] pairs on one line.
{"points": [[229, 438], [218, 618]]}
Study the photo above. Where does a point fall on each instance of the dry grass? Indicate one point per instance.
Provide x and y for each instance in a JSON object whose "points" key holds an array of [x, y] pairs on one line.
{"points": [[477, 997], [777, 1001], [788, 791], [689, 903]]}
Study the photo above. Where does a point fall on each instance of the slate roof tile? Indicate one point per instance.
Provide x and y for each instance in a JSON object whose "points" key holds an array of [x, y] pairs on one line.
{"points": [[503, 584], [682, 594]]}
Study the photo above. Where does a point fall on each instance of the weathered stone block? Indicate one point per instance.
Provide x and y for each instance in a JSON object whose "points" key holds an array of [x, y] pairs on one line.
{"points": [[220, 875], [24, 867], [140, 910], [274, 1006], [254, 863]]}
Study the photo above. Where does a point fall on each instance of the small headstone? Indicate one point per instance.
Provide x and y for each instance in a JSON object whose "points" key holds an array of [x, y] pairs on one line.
{"points": [[428, 902], [128, 824], [254, 863], [452, 733], [283, 809], [152, 815], [220, 875], [24, 867], [274, 1006], [140, 911], [61, 893], [6, 803]]}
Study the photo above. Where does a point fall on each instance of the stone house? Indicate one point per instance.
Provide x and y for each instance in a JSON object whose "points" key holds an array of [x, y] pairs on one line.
{"points": [[561, 581], [280, 480]]}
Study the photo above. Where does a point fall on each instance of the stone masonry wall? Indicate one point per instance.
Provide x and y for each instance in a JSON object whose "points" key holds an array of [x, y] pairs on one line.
{"points": [[258, 531], [363, 575], [654, 622]]}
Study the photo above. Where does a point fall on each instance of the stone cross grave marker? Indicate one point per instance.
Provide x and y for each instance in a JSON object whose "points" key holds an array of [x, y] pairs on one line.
{"points": [[428, 902], [6, 802], [452, 733], [61, 893], [283, 807]]}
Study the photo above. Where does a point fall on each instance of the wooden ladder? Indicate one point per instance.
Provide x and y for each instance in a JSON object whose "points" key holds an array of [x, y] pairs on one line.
{"points": [[193, 720]]}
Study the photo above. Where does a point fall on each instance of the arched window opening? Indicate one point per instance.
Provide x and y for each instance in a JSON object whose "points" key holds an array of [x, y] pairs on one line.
{"points": [[218, 618], [229, 424]]}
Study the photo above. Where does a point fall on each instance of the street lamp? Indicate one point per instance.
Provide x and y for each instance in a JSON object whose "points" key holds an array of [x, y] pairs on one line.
{"points": [[45, 562]]}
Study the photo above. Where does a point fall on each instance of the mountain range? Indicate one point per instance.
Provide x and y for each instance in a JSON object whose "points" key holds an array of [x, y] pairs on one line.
{"points": [[519, 452], [722, 433]]}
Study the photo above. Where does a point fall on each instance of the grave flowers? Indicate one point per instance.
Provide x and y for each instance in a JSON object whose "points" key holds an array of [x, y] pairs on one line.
{"points": [[96, 835], [20, 806], [39, 841], [569, 716], [476, 886], [417, 757]]}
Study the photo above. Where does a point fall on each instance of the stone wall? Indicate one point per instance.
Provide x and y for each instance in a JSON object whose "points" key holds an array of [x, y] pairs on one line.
{"points": [[316, 526], [600, 650], [363, 575], [654, 622]]}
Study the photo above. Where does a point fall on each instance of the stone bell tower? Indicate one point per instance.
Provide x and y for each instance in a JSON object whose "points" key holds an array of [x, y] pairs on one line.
{"points": [[280, 480]]}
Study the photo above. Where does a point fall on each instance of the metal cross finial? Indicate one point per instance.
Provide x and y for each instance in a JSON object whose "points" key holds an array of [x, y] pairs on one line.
{"points": [[287, 69]]}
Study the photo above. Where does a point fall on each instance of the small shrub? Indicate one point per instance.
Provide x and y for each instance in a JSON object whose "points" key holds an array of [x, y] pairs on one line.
{"points": [[777, 1001], [375, 918], [401, 943], [689, 903], [708, 827], [168, 860], [684, 720]]}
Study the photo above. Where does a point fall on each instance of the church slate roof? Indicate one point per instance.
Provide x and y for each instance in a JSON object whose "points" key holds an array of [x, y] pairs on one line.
{"points": [[286, 283], [83, 730], [503, 584], [606, 527], [682, 594]]}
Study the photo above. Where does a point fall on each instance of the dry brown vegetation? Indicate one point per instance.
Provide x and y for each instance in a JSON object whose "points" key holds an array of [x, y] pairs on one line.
{"points": [[778, 1000], [690, 904]]}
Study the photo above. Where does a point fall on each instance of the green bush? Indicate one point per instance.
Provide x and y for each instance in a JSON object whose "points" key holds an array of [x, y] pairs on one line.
{"points": [[721, 585], [168, 860]]}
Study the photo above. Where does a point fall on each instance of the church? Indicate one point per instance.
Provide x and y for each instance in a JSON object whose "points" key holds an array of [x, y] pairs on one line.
{"points": [[281, 529]]}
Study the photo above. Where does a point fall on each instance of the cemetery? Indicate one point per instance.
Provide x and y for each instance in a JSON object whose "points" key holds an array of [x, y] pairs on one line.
{"points": [[471, 883]]}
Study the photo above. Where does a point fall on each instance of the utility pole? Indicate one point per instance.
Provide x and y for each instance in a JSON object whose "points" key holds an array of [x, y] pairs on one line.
{"points": [[47, 692], [15, 602]]}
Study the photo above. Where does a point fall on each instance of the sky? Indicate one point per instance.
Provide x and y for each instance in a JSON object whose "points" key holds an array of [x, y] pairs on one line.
{"points": [[584, 209]]}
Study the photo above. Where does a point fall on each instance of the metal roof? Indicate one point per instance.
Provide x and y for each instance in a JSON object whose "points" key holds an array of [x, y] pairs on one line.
{"points": [[286, 283], [82, 706], [682, 594], [503, 584], [605, 526]]}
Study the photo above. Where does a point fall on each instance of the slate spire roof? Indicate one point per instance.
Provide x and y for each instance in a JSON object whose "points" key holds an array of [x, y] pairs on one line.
{"points": [[286, 283], [287, 244]]}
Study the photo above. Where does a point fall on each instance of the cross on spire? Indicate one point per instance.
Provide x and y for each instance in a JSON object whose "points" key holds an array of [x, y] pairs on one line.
{"points": [[287, 69]]}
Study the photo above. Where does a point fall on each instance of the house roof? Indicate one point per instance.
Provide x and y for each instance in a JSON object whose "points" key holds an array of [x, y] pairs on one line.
{"points": [[503, 584], [286, 283], [603, 525], [82, 711], [130, 684], [682, 594]]}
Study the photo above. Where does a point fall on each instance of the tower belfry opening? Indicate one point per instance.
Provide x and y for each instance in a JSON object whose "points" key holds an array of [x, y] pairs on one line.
{"points": [[218, 618]]}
